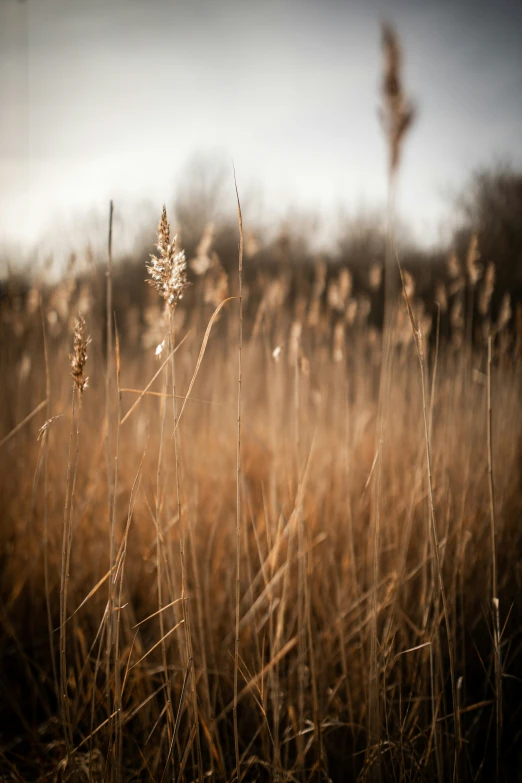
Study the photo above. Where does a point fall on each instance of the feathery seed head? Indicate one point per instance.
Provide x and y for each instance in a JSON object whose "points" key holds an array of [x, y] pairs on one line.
{"points": [[375, 276], [487, 289], [397, 111], [350, 313], [338, 342], [472, 260], [79, 356], [505, 312], [454, 265], [168, 270]]}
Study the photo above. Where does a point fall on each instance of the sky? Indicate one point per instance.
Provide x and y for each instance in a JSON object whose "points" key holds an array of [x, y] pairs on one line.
{"points": [[104, 99]]}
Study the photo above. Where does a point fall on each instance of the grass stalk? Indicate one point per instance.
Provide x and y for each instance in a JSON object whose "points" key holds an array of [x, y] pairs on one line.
{"points": [[494, 586], [238, 484]]}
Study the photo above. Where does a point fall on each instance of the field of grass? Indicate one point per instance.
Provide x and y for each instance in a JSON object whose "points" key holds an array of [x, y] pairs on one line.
{"points": [[301, 562]]}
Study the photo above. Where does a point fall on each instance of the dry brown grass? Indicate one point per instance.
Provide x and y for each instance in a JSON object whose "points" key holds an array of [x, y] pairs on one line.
{"points": [[306, 576], [219, 600]]}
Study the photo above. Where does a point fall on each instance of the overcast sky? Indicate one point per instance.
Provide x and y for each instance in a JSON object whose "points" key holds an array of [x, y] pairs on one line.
{"points": [[109, 98]]}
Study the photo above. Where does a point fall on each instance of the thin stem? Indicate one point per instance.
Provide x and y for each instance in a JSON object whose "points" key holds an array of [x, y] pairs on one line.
{"points": [[64, 580], [185, 603], [159, 552], [112, 479], [385, 382], [238, 482], [46, 435], [494, 586], [114, 613], [494, 593]]}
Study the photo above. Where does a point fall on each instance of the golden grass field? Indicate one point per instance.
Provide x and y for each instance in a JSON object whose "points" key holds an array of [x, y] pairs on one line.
{"points": [[307, 568]]}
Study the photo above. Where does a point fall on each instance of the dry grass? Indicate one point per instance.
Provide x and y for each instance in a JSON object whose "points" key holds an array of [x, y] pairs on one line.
{"points": [[307, 589], [218, 599]]}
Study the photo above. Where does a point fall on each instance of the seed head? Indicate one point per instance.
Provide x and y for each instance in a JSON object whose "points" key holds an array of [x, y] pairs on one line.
{"points": [[487, 289], [168, 270], [397, 111], [79, 356], [375, 276], [454, 265], [505, 312], [472, 260]]}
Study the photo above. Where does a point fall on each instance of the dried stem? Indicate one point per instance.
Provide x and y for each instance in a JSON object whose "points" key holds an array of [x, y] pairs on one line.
{"points": [[238, 483], [46, 435], [494, 586]]}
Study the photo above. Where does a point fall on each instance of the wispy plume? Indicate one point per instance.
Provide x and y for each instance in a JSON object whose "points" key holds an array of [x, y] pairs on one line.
{"points": [[472, 260], [397, 111], [78, 357], [168, 270]]}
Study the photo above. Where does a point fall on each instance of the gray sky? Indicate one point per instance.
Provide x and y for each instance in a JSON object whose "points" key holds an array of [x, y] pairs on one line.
{"points": [[108, 98]]}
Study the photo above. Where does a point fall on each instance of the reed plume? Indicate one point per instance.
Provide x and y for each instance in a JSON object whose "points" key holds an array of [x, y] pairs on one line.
{"points": [[168, 270], [78, 358], [397, 111], [473, 267]]}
